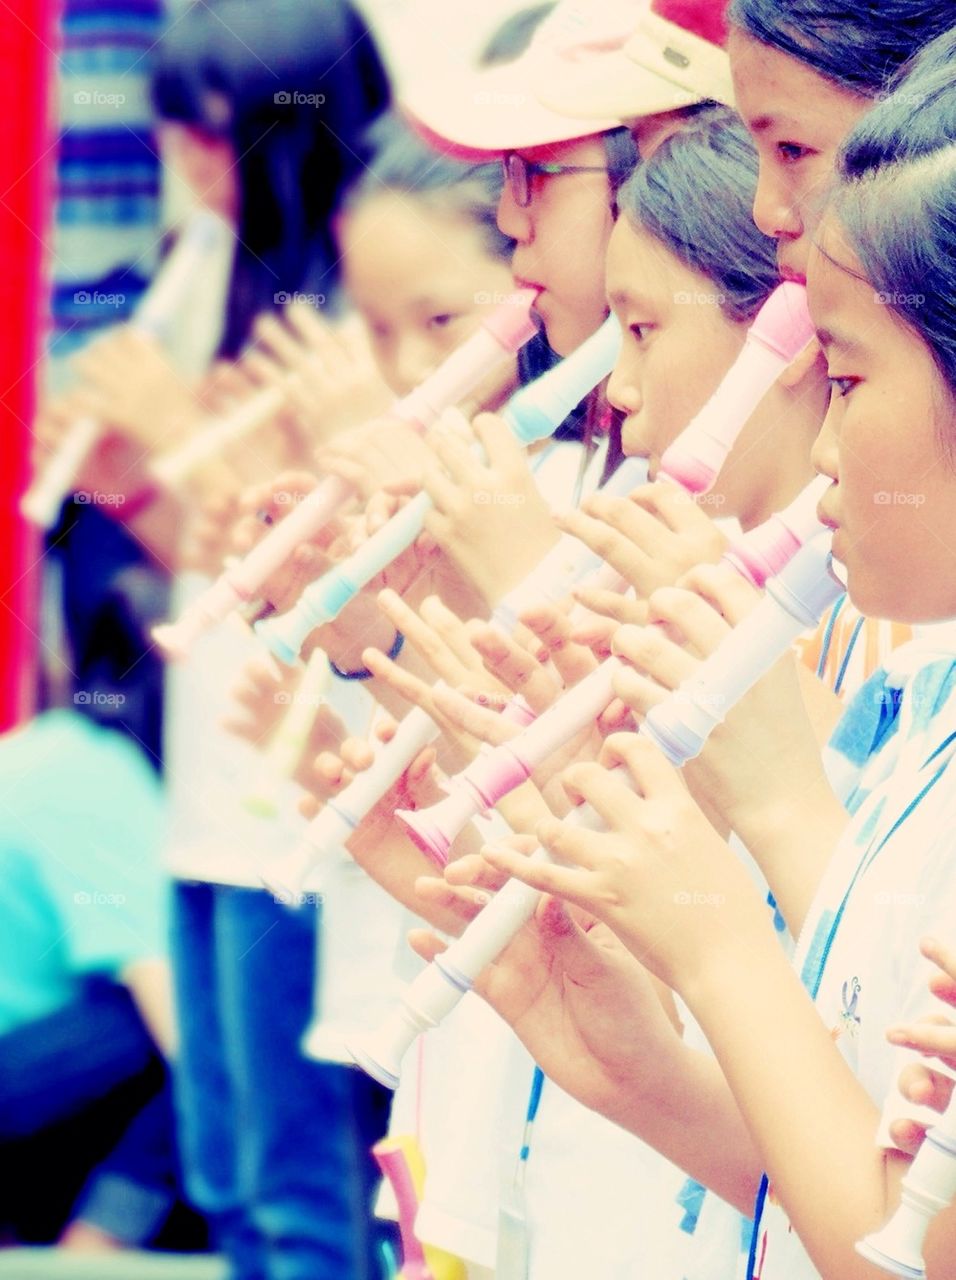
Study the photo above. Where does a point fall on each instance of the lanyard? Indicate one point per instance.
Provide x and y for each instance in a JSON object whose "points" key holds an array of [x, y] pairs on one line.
{"points": [[812, 980]]}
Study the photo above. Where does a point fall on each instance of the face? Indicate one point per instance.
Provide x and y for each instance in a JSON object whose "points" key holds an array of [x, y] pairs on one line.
{"points": [[677, 343], [798, 119], [206, 165], [894, 487], [421, 277], [561, 240]]}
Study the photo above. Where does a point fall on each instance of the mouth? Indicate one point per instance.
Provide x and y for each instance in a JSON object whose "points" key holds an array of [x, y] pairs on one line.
{"points": [[826, 519], [791, 276]]}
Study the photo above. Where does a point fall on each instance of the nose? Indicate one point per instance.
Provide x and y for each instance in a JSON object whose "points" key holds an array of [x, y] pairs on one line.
{"points": [[412, 361], [774, 211], [623, 392], [513, 221], [824, 456]]}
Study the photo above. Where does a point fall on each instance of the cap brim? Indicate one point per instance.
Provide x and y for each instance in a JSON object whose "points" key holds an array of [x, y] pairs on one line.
{"points": [[473, 114], [611, 85], [660, 68]]}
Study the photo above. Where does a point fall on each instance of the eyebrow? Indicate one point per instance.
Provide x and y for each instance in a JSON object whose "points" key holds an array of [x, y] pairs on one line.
{"points": [[829, 339], [623, 298]]}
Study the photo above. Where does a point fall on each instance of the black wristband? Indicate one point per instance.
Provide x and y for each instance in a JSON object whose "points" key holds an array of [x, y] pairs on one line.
{"points": [[363, 673]]}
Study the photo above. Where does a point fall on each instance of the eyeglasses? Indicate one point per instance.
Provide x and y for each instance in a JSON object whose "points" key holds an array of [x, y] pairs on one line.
{"points": [[518, 174]]}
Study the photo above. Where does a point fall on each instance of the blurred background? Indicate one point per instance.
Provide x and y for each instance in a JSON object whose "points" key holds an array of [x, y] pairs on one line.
{"points": [[113, 114]]}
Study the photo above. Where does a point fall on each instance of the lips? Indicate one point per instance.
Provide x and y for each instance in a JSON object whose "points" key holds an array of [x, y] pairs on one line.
{"points": [[791, 276], [825, 518]]}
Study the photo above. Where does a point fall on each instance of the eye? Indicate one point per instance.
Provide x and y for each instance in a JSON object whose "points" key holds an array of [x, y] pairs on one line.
{"points": [[791, 152], [442, 321], [842, 386]]}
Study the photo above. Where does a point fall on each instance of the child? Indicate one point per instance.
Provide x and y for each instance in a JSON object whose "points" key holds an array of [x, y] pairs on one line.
{"points": [[890, 879]]}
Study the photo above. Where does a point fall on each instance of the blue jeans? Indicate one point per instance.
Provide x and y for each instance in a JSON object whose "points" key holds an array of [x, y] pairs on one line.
{"points": [[275, 1146], [84, 1103]]}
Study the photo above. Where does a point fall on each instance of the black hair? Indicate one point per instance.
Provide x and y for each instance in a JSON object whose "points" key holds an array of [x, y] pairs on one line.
{"points": [[292, 85], [401, 162], [896, 201], [859, 46], [695, 194]]}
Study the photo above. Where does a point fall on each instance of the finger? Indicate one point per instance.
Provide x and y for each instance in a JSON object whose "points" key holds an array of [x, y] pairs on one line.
{"points": [[650, 651], [557, 881], [479, 722], [410, 687], [925, 1087], [908, 1135], [419, 633], [934, 1035], [724, 589], [638, 692], [473, 870], [629, 560], [670, 504], [651, 773], [330, 772], [944, 956], [619, 606], [463, 899], [356, 754], [572, 661], [447, 624], [425, 944], [514, 667]]}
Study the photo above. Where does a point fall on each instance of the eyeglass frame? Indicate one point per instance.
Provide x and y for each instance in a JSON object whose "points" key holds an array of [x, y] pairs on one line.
{"points": [[528, 169]]}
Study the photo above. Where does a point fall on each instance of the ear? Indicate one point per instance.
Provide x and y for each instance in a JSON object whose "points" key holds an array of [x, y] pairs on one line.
{"points": [[800, 366]]}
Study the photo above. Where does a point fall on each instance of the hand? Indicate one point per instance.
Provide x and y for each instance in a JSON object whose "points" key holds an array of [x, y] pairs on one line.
{"points": [[138, 391], [264, 697], [585, 1008], [760, 773], [659, 877], [328, 372], [935, 1038], [488, 517], [651, 538]]}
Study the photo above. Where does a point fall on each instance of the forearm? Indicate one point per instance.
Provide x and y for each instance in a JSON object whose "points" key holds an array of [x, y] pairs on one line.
{"points": [[692, 1119], [811, 1120], [792, 840]]}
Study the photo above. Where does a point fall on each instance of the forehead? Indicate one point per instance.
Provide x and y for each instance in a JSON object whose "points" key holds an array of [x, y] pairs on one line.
{"points": [[639, 269], [775, 92]]}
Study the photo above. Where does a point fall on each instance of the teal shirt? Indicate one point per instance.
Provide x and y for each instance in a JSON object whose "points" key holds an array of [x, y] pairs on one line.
{"points": [[81, 831]]}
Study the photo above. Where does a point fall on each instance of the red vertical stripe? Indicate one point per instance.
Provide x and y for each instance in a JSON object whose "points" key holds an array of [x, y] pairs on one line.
{"points": [[27, 34]]}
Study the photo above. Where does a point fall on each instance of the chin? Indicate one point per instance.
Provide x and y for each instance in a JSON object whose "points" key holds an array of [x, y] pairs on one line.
{"points": [[565, 332]]}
